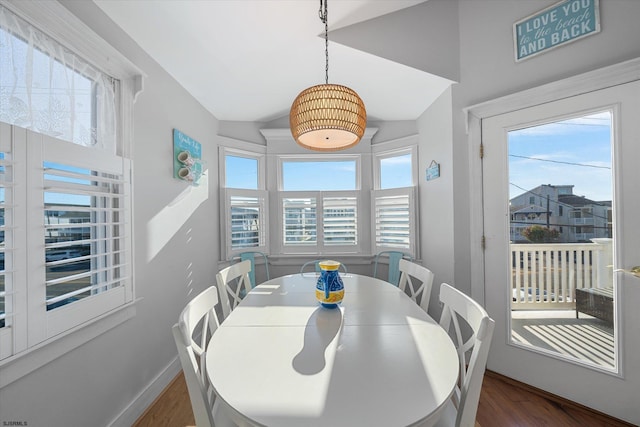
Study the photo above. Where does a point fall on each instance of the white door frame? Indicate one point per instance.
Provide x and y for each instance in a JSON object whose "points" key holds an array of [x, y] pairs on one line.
{"points": [[613, 75], [619, 388]]}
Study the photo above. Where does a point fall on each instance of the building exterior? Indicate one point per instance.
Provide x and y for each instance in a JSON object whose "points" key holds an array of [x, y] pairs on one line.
{"points": [[576, 218]]}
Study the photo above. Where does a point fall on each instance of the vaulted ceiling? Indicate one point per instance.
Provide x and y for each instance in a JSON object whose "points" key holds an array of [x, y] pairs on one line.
{"points": [[246, 60]]}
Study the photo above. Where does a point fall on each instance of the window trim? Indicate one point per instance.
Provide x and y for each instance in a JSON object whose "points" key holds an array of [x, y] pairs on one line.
{"points": [[15, 367]]}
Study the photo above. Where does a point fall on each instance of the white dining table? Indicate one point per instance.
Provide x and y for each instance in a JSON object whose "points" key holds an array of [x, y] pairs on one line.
{"points": [[280, 359]]}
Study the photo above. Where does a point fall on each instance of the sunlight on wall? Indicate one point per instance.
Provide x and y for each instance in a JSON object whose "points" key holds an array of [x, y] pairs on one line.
{"points": [[163, 226]]}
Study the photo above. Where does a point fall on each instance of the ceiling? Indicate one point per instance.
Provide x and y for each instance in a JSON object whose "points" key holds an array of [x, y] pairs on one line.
{"points": [[247, 60]]}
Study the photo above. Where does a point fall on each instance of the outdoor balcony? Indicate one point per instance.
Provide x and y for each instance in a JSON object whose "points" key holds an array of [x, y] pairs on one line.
{"points": [[562, 299]]}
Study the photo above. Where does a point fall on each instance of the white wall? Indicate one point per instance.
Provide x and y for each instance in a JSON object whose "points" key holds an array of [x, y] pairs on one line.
{"points": [[176, 249], [436, 196]]}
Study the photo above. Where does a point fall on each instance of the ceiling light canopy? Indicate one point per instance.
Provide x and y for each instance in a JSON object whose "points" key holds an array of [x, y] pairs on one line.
{"points": [[327, 117]]}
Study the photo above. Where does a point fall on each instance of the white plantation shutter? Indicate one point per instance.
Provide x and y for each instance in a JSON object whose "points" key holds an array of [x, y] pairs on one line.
{"points": [[320, 222], [66, 237], [84, 247], [246, 220], [394, 222], [300, 221], [340, 220], [80, 212]]}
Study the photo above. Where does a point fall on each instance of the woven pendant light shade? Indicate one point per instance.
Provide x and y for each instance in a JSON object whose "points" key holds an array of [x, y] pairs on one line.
{"points": [[327, 117]]}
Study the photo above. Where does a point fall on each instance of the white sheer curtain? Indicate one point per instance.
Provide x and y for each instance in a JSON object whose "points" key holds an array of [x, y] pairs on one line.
{"points": [[46, 88]]}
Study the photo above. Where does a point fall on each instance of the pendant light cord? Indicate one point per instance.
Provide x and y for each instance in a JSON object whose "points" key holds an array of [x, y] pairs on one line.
{"points": [[324, 18]]}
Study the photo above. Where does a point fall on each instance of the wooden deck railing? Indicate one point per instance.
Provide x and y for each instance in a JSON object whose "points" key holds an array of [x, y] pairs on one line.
{"points": [[544, 276]]}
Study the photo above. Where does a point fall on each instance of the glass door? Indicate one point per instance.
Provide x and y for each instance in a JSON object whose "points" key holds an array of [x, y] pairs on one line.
{"points": [[559, 195]]}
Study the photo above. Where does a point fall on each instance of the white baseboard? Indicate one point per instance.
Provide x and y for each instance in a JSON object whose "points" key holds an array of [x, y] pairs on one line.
{"points": [[145, 398]]}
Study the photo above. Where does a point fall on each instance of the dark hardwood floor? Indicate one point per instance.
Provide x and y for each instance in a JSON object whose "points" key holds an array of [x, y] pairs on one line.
{"points": [[503, 403], [508, 403]]}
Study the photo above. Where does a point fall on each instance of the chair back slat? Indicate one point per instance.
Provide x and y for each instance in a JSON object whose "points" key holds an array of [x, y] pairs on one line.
{"points": [[234, 283], [458, 306], [416, 281]]}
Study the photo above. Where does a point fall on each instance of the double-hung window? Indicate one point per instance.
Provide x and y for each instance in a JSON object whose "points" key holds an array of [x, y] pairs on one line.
{"points": [[319, 204], [65, 185], [393, 199], [246, 205]]}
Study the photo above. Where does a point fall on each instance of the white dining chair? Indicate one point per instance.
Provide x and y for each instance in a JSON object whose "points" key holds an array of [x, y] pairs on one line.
{"points": [[416, 281], [462, 408], [197, 323], [234, 283]]}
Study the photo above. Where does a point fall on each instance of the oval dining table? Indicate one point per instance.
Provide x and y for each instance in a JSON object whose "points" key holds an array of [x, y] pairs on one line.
{"points": [[280, 359]]}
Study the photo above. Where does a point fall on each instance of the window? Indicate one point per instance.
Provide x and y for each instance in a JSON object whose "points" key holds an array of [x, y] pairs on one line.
{"points": [[245, 208], [319, 204], [319, 175], [68, 209], [395, 171], [242, 172], [334, 204], [65, 189], [393, 201], [50, 90]]}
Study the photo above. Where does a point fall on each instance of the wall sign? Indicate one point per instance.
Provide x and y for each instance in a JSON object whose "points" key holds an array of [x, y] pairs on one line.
{"points": [[433, 171], [187, 154], [559, 24]]}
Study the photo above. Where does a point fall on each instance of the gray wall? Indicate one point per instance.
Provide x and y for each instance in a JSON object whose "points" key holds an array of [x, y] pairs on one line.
{"points": [[488, 71], [436, 196]]}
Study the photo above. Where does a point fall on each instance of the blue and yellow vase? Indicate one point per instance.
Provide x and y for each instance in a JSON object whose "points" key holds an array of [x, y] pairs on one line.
{"points": [[329, 287]]}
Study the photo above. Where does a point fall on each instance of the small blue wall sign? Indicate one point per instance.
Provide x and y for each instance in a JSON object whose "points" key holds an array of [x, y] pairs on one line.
{"points": [[433, 171], [559, 24]]}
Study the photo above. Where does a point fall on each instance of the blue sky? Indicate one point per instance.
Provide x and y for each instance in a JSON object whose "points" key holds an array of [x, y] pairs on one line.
{"points": [[570, 152], [320, 175], [576, 151]]}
